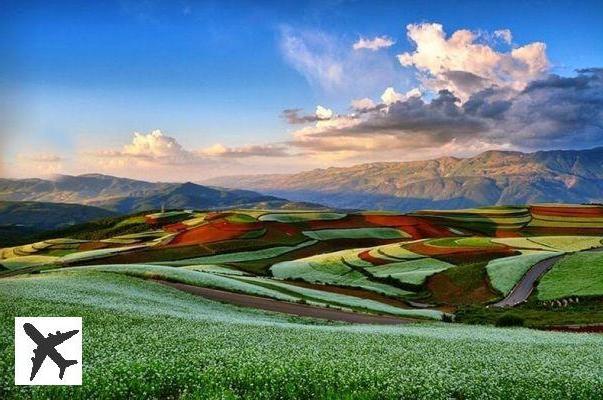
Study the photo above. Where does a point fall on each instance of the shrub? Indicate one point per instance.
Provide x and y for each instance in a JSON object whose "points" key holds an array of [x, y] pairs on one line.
{"points": [[509, 320], [447, 317]]}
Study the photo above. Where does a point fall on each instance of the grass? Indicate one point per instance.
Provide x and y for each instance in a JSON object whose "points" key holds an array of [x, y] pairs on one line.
{"points": [[357, 233], [190, 277], [17, 263], [301, 216], [569, 243], [505, 273], [323, 298], [579, 274], [330, 269], [413, 272], [144, 340]]}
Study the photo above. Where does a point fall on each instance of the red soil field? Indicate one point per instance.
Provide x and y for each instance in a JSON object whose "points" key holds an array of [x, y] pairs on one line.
{"points": [[596, 211], [365, 256], [214, 231]]}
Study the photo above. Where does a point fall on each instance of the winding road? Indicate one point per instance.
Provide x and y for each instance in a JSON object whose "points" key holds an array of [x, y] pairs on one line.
{"points": [[524, 288]]}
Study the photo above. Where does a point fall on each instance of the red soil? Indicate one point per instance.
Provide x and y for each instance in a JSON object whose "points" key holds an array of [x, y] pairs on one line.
{"points": [[444, 289], [214, 231], [365, 256], [360, 293], [92, 246], [567, 211]]}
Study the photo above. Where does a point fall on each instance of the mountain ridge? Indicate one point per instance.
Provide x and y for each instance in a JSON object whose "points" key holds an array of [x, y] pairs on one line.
{"points": [[124, 195], [491, 177]]}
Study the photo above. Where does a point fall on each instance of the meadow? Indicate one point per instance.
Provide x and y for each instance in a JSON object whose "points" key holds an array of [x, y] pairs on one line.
{"points": [[145, 340]]}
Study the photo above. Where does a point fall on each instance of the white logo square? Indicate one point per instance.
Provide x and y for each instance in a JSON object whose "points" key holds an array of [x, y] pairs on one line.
{"points": [[48, 351]]}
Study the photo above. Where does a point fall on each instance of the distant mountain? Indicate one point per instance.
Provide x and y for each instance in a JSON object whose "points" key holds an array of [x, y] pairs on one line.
{"points": [[123, 195], [492, 177], [20, 220]]}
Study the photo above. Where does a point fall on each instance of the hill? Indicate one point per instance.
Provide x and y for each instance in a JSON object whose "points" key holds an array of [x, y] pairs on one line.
{"points": [[428, 264], [125, 196], [493, 177]]}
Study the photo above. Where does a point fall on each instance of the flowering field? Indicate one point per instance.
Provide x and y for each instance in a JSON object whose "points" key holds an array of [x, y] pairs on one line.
{"points": [[142, 339]]}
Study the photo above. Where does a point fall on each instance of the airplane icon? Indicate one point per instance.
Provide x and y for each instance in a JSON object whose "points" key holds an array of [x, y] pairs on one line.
{"points": [[46, 348]]}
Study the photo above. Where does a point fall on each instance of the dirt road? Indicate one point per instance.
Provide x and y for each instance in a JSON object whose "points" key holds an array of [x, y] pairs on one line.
{"points": [[303, 310]]}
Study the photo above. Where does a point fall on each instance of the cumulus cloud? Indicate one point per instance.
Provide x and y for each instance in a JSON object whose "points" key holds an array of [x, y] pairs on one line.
{"points": [[363, 104], [390, 96], [552, 112], [462, 65], [374, 44], [154, 147]]}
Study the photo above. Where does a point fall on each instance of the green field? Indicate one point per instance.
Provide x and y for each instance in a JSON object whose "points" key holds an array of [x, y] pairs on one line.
{"points": [[145, 340], [241, 256], [579, 274], [331, 269], [357, 233], [505, 273], [413, 272]]}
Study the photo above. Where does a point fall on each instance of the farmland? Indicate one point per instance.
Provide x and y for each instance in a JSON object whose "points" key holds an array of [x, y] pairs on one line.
{"points": [[425, 267], [172, 344], [374, 262]]}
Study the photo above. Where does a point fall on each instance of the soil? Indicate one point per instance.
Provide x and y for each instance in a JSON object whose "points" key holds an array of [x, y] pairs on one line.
{"points": [[302, 310]]}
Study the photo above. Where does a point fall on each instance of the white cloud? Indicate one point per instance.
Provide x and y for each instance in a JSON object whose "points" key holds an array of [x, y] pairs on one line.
{"points": [[505, 35], [390, 96], [150, 150], [35, 164], [363, 104], [331, 65], [323, 113], [462, 65], [314, 55], [374, 44], [154, 145], [268, 150]]}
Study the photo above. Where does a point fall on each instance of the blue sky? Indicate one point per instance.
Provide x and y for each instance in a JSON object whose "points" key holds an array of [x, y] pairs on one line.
{"points": [[82, 77]]}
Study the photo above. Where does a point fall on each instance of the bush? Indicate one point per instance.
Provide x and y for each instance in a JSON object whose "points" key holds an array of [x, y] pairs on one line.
{"points": [[448, 317], [509, 320]]}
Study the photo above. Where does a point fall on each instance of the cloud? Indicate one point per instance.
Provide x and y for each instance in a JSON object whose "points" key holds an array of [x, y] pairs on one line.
{"points": [[374, 44], [293, 116], [390, 96], [505, 35], [330, 65], [462, 65], [549, 113], [153, 148], [40, 158], [35, 164], [269, 150], [363, 104], [314, 55]]}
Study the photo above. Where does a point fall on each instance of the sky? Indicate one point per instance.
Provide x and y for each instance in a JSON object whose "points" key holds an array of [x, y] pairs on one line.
{"points": [[185, 90]]}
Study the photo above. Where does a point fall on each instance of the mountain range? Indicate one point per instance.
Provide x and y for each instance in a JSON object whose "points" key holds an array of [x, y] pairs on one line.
{"points": [[124, 196], [492, 177]]}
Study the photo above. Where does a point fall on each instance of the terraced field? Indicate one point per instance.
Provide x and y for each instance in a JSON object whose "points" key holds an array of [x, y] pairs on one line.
{"points": [[371, 267], [430, 263]]}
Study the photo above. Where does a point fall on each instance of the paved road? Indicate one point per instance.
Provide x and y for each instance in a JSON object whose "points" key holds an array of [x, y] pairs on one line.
{"points": [[526, 285], [285, 307]]}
